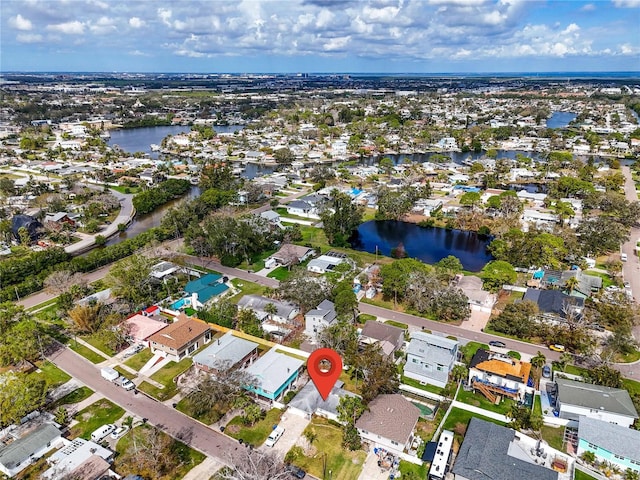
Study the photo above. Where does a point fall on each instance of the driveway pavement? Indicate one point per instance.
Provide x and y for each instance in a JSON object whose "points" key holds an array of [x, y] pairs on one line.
{"points": [[371, 470], [476, 321], [294, 425]]}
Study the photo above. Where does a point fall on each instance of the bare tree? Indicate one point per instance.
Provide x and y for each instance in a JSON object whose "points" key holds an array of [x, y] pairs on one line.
{"points": [[61, 282], [250, 464]]}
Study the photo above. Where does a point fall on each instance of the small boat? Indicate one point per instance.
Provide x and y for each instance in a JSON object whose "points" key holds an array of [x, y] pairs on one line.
{"points": [[155, 147]]}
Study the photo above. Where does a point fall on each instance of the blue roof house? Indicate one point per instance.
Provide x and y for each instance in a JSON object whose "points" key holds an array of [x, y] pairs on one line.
{"points": [[205, 288], [274, 374]]}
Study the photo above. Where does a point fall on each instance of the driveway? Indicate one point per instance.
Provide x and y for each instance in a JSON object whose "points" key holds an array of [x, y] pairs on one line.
{"points": [[371, 470], [293, 426], [476, 321]]}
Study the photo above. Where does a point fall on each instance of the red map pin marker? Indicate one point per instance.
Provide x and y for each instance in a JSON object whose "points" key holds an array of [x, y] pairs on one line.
{"points": [[324, 379]]}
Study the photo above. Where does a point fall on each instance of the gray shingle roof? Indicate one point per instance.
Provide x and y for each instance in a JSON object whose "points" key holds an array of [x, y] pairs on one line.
{"points": [[225, 349], [20, 450], [258, 303], [613, 438], [483, 455], [273, 369], [390, 416], [309, 400], [615, 400]]}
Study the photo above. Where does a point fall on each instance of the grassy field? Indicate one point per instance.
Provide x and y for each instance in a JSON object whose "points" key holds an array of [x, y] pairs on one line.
{"points": [[470, 349], [404, 326], [537, 406], [99, 344], [480, 401], [165, 376], [578, 475], [411, 471], [186, 407], [86, 352], [51, 374], [187, 458], [124, 373], [256, 434], [553, 436], [280, 273], [76, 396], [139, 360], [246, 288], [94, 416], [416, 384], [457, 416], [344, 464]]}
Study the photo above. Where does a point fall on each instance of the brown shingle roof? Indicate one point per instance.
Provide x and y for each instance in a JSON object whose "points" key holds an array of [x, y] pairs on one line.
{"points": [[390, 416], [180, 333]]}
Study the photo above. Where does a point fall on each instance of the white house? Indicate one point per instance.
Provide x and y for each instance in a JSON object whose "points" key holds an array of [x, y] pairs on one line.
{"points": [[319, 318], [494, 374], [17, 454], [326, 263], [308, 402], [479, 299], [77, 458], [389, 423], [430, 358], [611, 405], [285, 312], [610, 442]]}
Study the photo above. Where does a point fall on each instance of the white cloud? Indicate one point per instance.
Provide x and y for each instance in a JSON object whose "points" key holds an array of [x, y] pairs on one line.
{"points": [[29, 38], [136, 22], [68, 28], [626, 3], [336, 44], [589, 7], [165, 16], [20, 23], [571, 28], [139, 53]]}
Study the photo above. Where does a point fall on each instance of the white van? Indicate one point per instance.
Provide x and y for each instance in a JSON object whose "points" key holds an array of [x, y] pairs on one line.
{"points": [[623, 257], [102, 432], [274, 436]]}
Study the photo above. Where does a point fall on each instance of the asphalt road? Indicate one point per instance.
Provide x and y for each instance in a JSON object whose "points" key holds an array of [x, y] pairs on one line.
{"points": [[631, 268], [172, 422]]}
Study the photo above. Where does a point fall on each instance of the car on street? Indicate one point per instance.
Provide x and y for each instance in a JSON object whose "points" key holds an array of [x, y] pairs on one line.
{"points": [[556, 347], [627, 285], [295, 472], [119, 432], [496, 343], [546, 371]]}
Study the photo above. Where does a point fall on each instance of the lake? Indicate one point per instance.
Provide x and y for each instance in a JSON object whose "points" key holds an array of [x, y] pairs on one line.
{"points": [[560, 119], [428, 244]]}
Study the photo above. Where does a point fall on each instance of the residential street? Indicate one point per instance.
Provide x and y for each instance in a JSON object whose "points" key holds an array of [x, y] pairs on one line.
{"points": [[631, 268]]}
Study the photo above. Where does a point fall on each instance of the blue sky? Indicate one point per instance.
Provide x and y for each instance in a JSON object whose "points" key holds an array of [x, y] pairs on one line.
{"points": [[388, 36]]}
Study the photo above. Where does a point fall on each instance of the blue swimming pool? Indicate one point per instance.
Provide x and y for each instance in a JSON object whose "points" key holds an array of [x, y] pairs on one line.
{"points": [[183, 302]]}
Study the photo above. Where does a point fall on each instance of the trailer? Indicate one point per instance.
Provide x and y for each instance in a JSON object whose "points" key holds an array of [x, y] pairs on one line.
{"points": [[109, 373]]}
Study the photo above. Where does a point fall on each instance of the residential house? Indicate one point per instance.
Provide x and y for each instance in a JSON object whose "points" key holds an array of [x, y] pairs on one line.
{"points": [[539, 219], [308, 401], [389, 423], [140, 327], [205, 288], [16, 454], [495, 374], [59, 218], [181, 338], [308, 206], [271, 217], [227, 351], [285, 312], [553, 304], [578, 399], [609, 442], [319, 318], [290, 254], [479, 299], [326, 263], [491, 451], [587, 284], [389, 338], [274, 374], [430, 358], [33, 226], [82, 459]]}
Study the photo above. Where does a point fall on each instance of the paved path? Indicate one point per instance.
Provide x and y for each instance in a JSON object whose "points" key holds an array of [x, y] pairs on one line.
{"points": [[171, 421]]}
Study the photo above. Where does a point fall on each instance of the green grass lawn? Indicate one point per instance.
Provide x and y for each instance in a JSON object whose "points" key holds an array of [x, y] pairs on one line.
{"points": [[209, 417], [537, 406], [94, 416], [124, 372], [186, 457], [246, 288], [257, 262], [352, 385], [404, 326], [256, 434], [416, 384], [364, 317], [480, 401], [411, 471], [458, 415], [165, 376], [51, 374], [86, 352], [553, 436], [280, 273], [578, 475], [44, 305], [606, 279], [139, 360], [344, 464], [76, 396], [99, 344]]}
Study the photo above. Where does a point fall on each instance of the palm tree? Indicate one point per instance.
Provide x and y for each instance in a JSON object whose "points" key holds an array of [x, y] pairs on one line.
{"points": [[538, 361], [271, 309], [459, 372], [571, 284], [565, 359]]}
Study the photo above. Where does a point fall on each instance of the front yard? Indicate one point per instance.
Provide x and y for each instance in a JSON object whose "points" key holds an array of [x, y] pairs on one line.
{"points": [[139, 360], [246, 288], [51, 374], [94, 416], [165, 377], [344, 464], [256, 434]]}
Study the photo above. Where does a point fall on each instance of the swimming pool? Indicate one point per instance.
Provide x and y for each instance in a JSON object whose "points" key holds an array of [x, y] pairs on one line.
{"points": [[183, 302]]}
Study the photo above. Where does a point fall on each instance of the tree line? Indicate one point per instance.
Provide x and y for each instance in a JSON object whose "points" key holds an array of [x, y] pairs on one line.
{"points": [[148, 200]]}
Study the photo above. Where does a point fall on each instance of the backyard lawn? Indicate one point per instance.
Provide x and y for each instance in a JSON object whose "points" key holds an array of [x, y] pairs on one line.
{"points": [[479, 400], [139, 360], [344, 464], [258, 433], [246, 288], [458, 415], [94, 416], [165, 376], [51, 374], [553, 436], [86, 352], [186, 458], [416, 384]]}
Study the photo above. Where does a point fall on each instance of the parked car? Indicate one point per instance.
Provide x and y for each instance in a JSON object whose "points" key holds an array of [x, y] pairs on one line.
{"points": [[119, 432], [623, 257], [275, 435], [546, 371], [295, 472], [556, 347], [496, 343]]}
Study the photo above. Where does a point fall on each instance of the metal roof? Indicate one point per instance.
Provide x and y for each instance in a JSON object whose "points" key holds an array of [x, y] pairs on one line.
{"points": [[588, 395]]}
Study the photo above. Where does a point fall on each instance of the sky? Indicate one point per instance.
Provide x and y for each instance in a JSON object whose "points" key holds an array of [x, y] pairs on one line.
{"points": [[313, 36]]}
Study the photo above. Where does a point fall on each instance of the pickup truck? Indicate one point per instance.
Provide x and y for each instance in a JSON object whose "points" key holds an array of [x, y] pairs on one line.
{"points": [[274, 436], [125, 383]]}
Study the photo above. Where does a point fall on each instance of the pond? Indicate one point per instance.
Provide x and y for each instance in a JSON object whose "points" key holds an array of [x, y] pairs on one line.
{"points": [[560, 119], [428, 244]]}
